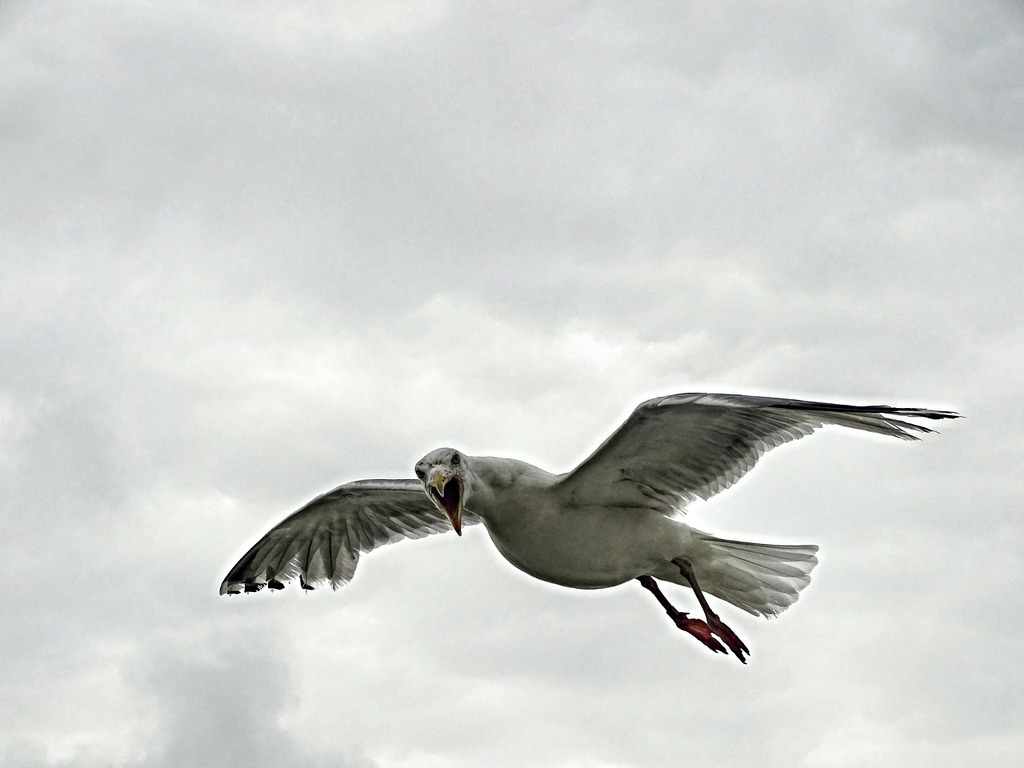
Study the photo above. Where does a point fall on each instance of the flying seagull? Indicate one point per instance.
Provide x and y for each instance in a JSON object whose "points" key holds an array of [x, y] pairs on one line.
{"points": [[614, 518]]}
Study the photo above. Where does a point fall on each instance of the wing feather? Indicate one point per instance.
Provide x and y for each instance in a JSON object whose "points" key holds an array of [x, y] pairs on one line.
{"points": [[672, 450], [321, 542]]}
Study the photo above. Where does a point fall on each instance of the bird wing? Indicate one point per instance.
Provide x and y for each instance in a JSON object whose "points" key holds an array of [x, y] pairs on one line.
{"points": [[321, 542], [674, 449]]}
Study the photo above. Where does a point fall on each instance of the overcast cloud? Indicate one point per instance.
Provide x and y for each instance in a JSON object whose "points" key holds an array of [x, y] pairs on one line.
{"points": [[251, 250]]}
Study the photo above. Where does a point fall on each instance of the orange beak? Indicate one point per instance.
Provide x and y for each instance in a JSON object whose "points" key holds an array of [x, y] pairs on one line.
{"points": [[446, 493]]}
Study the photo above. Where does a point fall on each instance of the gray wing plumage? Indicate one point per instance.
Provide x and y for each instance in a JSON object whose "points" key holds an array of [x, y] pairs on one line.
{"points": [[321, 543], [674, 449]]}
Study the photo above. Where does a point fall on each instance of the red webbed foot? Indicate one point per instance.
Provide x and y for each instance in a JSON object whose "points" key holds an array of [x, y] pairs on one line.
{"points": [[699, 629], [725, 633]]}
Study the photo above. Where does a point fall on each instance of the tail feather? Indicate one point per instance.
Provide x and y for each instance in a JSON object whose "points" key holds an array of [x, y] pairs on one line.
{"points": [[762, 579]]}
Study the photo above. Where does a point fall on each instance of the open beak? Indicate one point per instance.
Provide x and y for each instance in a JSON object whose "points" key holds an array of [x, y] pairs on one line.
{"points": [[446, 493]]}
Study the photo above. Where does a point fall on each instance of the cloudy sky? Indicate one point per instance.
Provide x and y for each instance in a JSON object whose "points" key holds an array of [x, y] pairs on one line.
{"points": [[252, 250]]}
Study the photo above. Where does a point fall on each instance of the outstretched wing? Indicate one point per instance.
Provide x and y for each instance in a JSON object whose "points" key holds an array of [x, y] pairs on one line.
{"points": [[672, 450], [321, 543]]}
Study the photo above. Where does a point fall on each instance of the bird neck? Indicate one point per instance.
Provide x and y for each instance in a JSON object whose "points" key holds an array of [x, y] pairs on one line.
{"points": [[499, 487]]}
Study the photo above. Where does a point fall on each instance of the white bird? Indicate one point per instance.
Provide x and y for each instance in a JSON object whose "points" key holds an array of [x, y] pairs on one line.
{"points": [[612, 519]]}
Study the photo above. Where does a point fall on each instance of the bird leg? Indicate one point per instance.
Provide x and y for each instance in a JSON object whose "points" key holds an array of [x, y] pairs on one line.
{"points": [[695, 627], [717, 626]]}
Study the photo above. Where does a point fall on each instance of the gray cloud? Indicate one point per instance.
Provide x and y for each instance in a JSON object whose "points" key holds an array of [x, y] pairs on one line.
{"points": [[250, 254], [224, 707]]}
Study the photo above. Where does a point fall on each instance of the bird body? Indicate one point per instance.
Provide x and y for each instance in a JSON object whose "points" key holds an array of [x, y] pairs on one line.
{"points": [[612, 519], [597, 545]]}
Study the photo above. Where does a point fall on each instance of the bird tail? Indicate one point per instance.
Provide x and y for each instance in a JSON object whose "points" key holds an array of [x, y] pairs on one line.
{"points": [[762, 579]]}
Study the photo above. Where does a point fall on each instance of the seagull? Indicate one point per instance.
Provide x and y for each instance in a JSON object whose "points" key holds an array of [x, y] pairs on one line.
{"points": [[613, 519]]}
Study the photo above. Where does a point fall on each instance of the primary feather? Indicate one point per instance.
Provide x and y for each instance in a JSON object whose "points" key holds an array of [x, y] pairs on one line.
{"points": [[321, 542], [672, 450]]}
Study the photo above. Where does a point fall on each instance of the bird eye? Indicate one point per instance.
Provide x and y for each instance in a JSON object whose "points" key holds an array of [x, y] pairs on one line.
{"points": [[456, 459], [420, 473]]}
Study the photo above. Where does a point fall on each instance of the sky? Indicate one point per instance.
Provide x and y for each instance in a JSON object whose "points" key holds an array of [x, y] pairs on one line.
{"points": [[253, 250]]}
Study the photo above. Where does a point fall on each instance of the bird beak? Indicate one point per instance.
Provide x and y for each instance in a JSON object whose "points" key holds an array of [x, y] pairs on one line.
{"points": [[446, 493]]}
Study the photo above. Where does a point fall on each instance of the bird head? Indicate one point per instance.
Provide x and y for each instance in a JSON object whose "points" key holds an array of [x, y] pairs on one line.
{"points": [[443, 474]]}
